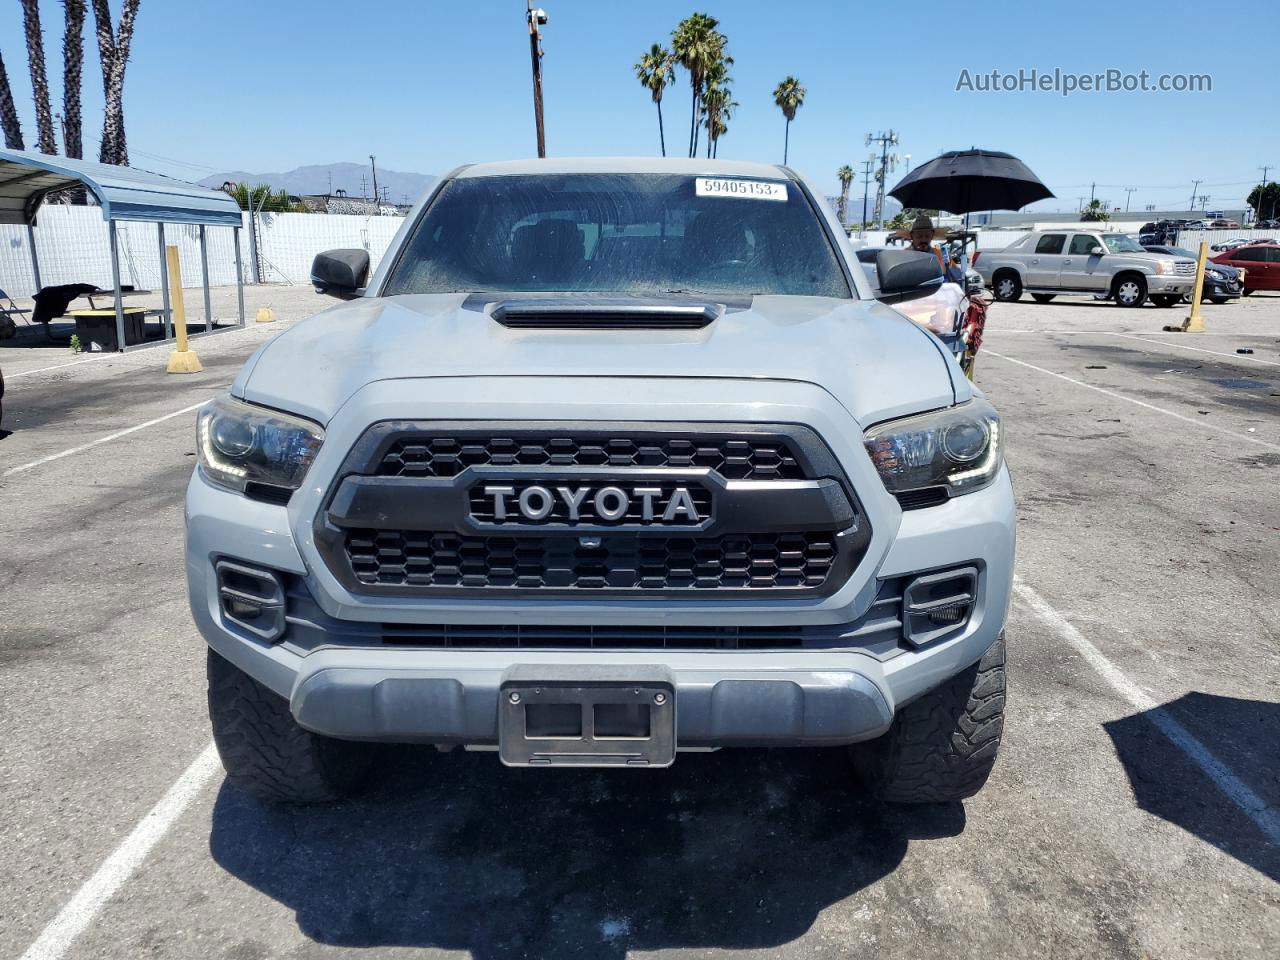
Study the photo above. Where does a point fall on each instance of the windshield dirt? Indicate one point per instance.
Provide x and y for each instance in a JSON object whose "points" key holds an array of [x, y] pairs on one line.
{"points": [[646, 234]]}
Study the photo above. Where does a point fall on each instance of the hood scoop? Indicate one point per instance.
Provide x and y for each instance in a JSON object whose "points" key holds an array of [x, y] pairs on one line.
{"points": [[600, 314]]}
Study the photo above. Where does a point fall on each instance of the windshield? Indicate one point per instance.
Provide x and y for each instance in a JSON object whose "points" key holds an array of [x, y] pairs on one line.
{"points": [[1119, 243], [625, 234]]}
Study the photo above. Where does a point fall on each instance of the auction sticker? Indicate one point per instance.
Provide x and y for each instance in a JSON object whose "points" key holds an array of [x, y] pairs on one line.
{"points": [[748, 189]]}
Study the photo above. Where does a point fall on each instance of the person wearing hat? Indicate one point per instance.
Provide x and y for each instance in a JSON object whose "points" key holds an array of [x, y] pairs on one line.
{"points": [[922, 235]]}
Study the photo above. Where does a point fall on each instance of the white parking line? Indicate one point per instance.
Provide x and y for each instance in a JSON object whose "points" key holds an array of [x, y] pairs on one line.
{"points": [[56, 366], [1136, 402], [93, 895], [101, 440], [1236, 790], [1187, 346]]}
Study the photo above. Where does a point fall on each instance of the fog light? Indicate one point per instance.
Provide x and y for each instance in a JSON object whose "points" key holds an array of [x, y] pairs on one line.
{"points": [[251, 598], [937, 604]]}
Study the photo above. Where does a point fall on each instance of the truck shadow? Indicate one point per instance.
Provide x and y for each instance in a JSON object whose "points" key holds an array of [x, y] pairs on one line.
{"points": [[1242, 736], [739, 849]]}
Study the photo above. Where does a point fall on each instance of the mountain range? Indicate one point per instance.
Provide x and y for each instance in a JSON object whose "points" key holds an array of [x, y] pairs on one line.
{"points": [[400, 187]]}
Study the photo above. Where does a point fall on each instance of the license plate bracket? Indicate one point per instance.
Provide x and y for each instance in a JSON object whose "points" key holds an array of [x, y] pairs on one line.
{"points": [[558, 715]]}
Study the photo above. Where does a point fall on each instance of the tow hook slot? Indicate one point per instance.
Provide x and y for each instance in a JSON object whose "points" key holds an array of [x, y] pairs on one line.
{"points": [[251, 598], [937, 604]]}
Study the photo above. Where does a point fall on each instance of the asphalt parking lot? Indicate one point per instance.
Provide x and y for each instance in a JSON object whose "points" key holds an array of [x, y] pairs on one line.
{"points": [[1134, 813]]}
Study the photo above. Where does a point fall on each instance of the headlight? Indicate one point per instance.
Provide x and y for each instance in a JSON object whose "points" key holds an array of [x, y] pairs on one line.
{"points": [[1160, 266], [1214, 275], [240, 444], [958, 449]]}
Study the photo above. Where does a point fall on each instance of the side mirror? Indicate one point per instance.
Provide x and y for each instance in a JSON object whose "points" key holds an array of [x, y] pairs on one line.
{"points": [[1097, 251], [340, 273], [907, 275]]}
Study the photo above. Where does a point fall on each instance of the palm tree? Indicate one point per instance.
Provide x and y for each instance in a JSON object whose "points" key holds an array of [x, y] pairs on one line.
{"points": [[697, 46], [717, 102], [654, 71], [9, 121], [72, 62], [45, 141], [113, 52], [789, 97], [720, 107], [845, 174]]}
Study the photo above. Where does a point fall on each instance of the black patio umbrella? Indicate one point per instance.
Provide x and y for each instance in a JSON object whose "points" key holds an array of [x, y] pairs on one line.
{"points": [[961, 181]]}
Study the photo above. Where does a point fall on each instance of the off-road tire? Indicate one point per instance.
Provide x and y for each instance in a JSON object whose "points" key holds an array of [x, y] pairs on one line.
{"points": [[942, 746], [1043, 297], [1165, 299], [266, 754], [1006, 292]]}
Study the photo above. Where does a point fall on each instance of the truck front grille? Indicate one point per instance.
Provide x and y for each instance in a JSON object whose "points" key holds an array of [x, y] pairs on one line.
{"points": [[614, 562], [414, 514], [1184, 268]]}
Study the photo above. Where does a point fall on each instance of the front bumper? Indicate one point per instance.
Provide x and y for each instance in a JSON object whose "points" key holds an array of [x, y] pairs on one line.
{"points": [[1172, 284], [785, 697], [344, 679]]}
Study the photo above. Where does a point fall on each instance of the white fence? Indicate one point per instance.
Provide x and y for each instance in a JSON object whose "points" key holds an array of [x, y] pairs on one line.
{"points": [[73, 247], [1191, 238]]}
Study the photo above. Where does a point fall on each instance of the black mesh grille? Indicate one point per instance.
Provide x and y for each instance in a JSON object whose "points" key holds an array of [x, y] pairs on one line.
{"points": [[612, 562], [753, 458]]}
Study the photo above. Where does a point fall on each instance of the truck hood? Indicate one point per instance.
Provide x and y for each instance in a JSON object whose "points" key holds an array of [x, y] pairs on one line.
{"points": [[878, 364]]}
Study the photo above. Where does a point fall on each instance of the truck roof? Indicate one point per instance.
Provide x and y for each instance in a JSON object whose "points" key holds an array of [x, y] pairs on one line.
{"points": [[691, 166]]}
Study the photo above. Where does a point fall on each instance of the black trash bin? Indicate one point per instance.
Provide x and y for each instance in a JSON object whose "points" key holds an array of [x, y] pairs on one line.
{"points": [[97, 329]]}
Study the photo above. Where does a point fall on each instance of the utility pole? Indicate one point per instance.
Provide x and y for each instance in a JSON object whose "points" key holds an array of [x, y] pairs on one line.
{"points": [[373, 166], [1194, 188], [364, 187], [1092, 188], [866, 184], [1262, 194], [536, 18], [887, 163], [1128, 194]]}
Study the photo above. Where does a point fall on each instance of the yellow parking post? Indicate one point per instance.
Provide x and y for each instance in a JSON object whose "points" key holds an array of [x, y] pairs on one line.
{"points": [[1194, 323], [182, 360]]}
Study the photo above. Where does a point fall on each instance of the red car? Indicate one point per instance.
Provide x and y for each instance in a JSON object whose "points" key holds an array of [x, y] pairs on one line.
{"points": [[1260, 263]]}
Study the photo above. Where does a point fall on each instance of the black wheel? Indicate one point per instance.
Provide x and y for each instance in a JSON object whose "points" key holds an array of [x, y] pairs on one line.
{"points": [[1006, 286], [1043, 297], [1130, 290], [1246, 292], [266, 754], [1165, 299], [1219, 300], [942, 746]]}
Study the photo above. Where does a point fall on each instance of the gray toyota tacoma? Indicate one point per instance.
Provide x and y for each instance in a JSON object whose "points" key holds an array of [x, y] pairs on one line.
{"points": [[608, 460]]}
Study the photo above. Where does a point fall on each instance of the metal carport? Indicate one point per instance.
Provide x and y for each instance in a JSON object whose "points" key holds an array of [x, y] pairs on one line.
{"points": [[123, 193]]}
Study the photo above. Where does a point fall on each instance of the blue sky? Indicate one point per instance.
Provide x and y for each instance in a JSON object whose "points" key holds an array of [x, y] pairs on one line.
{"points": [[267, 86]]}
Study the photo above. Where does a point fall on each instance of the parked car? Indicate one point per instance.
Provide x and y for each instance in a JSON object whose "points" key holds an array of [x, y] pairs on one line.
{"points": [[1224, 225], [1267, 225], [1047, 263], [610, 458], [1230, 244], [1260, 264], [1221, 282]]}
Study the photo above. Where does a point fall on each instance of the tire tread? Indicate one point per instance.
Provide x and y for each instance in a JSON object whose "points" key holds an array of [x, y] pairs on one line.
{"points": [[942, 747]]}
